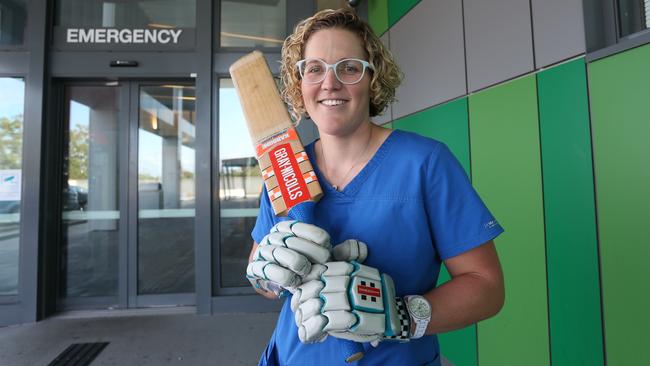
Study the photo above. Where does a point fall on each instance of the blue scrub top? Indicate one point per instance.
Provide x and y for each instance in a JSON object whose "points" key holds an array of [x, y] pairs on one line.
{"points": [[414, 206]]}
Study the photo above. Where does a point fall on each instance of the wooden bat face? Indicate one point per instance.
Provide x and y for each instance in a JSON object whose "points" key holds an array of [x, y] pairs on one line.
{"points": [[288, 174]]}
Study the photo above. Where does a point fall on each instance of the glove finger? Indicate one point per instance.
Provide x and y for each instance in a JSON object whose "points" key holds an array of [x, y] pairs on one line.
{"points": [[306, 231], [310, 308], [335, 301], [265, 240], [314, 252], [283, 226], [339, 321], [336, 284], [311, 330], [351, 250], [312, 233], [295, 299], [272, 272], [316, 272], [311, 290], [306, 291], [286, 258], [338, 269], [275, 238], [297, 317]]}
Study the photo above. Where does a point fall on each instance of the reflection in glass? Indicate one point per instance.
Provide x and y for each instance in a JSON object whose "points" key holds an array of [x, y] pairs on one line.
{"points": [[259, 23], [12, 98], [89, 198], [126, 14], [634, 16], [240, 186], [13, 19], [166, 189]]}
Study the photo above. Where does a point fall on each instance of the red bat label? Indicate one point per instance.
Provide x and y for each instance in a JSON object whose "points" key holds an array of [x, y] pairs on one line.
{"points": [[290, 179], [367, 290]]}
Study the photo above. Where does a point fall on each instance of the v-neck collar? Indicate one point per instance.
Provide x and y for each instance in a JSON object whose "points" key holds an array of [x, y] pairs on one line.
{"points": [[355, 184]]}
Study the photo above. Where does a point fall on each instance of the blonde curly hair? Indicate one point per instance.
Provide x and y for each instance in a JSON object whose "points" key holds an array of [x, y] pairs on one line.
{"points": [[385, 78]]}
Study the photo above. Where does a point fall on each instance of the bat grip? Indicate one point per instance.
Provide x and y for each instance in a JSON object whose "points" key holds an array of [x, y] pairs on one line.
{"points": [[304, 212]]}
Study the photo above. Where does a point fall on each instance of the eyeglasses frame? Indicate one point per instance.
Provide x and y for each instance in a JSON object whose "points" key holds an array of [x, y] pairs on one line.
{"points": [[366, 65]]}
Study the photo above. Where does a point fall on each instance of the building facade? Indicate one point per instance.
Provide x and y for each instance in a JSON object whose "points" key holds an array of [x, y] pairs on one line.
{"points": [[545, 104], [127, 178]]}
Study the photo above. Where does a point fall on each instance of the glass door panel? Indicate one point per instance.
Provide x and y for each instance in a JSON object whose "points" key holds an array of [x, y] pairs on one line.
{"points": [[240, 188], [253, 23], [166, 189], [90, 209], [12, 101]]}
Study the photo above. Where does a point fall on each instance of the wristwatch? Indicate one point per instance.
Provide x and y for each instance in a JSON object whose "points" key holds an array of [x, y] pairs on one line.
{"points": [[420, 311]]}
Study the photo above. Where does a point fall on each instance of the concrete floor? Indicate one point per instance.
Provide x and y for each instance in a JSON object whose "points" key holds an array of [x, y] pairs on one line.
{"points": [[142, 337]]}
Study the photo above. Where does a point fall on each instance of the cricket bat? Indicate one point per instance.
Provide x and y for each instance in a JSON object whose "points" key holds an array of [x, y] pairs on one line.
{"points": [[288, 175], [287, 172]]}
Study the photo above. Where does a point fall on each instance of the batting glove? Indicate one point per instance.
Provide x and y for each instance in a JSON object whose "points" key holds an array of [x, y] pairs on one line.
{"points": [[350, 301], [286, 255]]}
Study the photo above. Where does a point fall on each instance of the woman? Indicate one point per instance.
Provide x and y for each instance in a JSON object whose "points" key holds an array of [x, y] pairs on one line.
{"points": [[404, 195]]}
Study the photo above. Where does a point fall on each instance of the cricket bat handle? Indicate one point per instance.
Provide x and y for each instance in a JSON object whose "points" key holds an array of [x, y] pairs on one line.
{"points": [[304, 212]]}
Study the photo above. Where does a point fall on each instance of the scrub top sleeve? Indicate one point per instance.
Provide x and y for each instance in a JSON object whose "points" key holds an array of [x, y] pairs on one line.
{"points": [[265, 218], [458, 218]]}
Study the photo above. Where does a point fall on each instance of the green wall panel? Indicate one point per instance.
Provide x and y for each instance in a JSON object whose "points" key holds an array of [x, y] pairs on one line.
{"points": [[571, 242], [378, 16], [397, 9], [506, 171], [448, 123], [620, 112]]}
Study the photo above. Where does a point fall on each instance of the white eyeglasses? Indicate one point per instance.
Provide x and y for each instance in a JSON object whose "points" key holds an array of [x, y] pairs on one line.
{"points": [[347, 71]]}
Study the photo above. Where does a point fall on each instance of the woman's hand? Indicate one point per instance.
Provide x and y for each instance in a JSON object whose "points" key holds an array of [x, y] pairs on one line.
{"points": [[349, 301], [286, 255], [293, 253]]}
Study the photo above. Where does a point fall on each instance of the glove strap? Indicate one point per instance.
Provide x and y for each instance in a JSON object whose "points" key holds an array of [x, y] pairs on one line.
{"points": [[404, 320]]}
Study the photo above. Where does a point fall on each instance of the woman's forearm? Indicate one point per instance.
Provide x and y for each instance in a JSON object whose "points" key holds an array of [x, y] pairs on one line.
{"points": [[464, 300]]}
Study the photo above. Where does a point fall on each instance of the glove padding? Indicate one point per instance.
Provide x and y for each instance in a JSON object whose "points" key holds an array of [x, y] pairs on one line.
{"points": [[350, 301], [285, 256], [293, 252], [351, 250]]}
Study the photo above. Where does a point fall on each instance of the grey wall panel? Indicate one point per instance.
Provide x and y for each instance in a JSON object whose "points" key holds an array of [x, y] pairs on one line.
{"points": [[387, 116], [428, 45], [97, 64], [498, 41], [558, 29], [14, 63]]}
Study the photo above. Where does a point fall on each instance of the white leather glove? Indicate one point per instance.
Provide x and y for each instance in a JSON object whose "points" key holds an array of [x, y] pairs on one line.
{"points": [[350, 301], [293, 252], [286, 255]]}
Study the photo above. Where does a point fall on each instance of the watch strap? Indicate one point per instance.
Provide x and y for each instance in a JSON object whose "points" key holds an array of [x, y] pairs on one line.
{"points": [[420, 328]]}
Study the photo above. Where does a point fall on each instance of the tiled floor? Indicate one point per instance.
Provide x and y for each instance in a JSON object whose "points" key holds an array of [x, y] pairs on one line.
{"points": [[145, 337]]}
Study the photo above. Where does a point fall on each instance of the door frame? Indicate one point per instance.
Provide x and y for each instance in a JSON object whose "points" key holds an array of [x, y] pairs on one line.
{"points": [[127, 266]]}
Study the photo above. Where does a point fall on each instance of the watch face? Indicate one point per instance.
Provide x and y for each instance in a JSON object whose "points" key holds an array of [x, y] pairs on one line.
{"points": [[419, 307]]}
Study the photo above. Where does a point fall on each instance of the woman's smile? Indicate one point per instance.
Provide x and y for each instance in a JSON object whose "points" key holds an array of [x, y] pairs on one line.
{"points": [[336, 108], [333, 102]]}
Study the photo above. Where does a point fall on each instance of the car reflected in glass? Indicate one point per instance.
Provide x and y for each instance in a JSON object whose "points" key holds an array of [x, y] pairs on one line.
{"points": [[7, 207], [74, 198]]}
